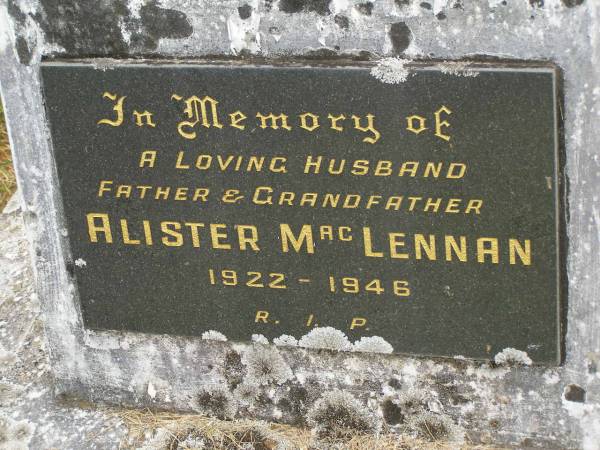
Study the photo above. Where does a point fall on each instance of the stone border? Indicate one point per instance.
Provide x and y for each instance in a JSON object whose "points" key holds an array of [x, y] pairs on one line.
{"points": [[523, 406]]}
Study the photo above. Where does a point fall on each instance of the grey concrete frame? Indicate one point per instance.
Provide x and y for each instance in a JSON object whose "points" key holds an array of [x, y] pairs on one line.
{"points": [[523, 406]]}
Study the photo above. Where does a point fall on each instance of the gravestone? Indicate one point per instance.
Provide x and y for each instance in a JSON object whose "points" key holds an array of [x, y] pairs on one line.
{"points": [[398, 202], [227, 197]]}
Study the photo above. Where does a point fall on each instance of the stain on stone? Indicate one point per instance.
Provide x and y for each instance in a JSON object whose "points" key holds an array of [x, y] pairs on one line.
{"points": [[365, 8], [84, 28], [15, 12], [245, 11], [23, 52], [536, 3], [233, 368], [70, 266], [94, 28], [527, 443], [572, 3], [425, 5], [575, 393], [296, 404], [342, 21], [440, 16], [400, 35], [402, 3], [392, 413], [459, 399], [321, 53], [320, 7], [593, 362], [160, 23], [20, 19], [395, 383]]}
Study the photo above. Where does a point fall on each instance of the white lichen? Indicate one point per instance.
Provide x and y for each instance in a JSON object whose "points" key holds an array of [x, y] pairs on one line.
{"points": [[212, 335], [160, 438], [9, 393], [21, 431], [79, 262], [391, 70], [285, 340], [372, 344], [6, 356], [265, 365], [434, 427], [246, 393], [151, 391], [216, 401], [196, 442], [15, 434], [326, 338], [512, 357], [15, 445], [260, 339], [4, 429], [458, 68], [338, 415], [411, 401]]}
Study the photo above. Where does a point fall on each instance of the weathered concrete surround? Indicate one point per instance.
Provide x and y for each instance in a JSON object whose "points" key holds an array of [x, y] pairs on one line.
{"points": [[527, 406]]}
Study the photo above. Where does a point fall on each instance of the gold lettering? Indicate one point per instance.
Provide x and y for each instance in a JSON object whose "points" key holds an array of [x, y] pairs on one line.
{"points": [[396, 241], [462, 168], [410, 120], [148, 158], [314, 121], [421, 244], [196, 116], [335, 120], [273, 118], [515, 248], [171, 229], [304, 238], [147, 232], [102, 189], [261, 316], [487, 246], [236, 118], [125, 232], [146, 115], [410, 167], [441, 123], [358, 322], [118, 109], [452, 246], [246, 240], [179, 164], [194, 226], [94, 229], [368, 244], [369, 128], [216, 236], [475, 205]]}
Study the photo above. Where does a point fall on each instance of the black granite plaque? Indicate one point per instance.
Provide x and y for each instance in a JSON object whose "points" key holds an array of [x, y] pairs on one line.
{"points": [[254, 199]]}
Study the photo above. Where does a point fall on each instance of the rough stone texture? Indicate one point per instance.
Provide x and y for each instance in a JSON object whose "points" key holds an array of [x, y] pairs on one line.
{"points": [[26, 384], [526, 405]]}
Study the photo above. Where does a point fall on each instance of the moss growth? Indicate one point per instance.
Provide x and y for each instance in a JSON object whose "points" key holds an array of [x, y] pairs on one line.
{"points": [[217, 401], [265, 365], [337, 415]]}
